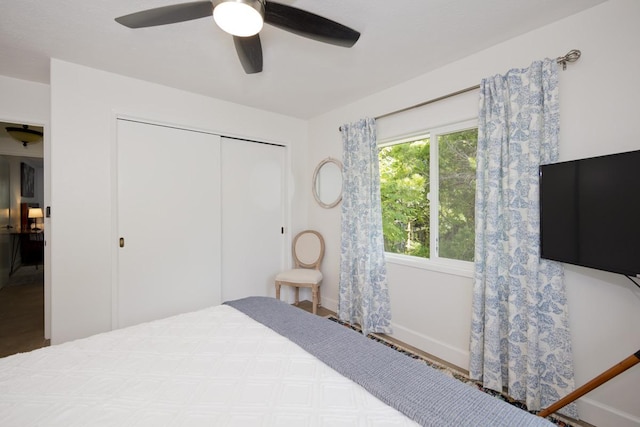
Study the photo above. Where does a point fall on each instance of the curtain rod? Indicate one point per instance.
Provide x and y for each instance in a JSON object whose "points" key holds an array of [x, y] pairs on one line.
{"points": [[571, 56]]}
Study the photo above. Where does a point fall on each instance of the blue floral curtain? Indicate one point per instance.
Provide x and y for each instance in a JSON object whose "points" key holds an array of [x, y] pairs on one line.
{"points": [[363, 291], [520, 336]]}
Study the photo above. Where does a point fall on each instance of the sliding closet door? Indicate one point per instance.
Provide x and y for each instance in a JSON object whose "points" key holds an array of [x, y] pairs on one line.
{"points": [[252, 217], [168, 222]]}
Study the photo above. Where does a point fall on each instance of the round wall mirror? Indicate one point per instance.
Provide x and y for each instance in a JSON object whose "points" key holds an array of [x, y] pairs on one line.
{"points": [[327, 183]]}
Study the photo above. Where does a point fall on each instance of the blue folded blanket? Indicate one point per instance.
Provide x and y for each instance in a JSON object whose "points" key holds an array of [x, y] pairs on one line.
{"points": [[422, 393]]}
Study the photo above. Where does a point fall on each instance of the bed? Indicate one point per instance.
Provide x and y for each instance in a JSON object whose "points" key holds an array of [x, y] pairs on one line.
{"points": [[250, 362]]}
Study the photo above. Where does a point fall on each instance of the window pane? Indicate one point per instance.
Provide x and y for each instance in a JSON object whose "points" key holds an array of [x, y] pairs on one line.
{"points": [[457, 180], [404, 187]]}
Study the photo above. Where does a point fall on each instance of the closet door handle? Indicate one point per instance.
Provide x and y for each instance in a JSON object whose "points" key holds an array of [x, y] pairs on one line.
{"points": [[122, 242]]}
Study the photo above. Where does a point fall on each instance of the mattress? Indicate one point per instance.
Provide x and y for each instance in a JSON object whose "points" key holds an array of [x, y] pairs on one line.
{"points": [[214, 367]]}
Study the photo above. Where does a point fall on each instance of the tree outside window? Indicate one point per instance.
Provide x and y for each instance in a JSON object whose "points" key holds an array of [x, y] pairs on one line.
{"points": [[427, 214]]}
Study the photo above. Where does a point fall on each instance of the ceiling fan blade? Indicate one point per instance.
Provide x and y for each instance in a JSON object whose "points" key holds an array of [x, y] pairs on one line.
{"points": [[307, 24], [167, 14], [249, 51]]}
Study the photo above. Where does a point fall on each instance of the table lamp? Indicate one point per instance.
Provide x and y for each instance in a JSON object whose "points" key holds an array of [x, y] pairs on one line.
{"points": [[35, 213]]}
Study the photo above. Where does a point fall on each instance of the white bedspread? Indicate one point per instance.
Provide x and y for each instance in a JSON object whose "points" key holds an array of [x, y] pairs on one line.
{"points": [[214, 367]]}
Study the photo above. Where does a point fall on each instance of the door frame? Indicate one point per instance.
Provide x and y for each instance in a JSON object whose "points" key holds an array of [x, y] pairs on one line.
{"points": [[46, 176]]}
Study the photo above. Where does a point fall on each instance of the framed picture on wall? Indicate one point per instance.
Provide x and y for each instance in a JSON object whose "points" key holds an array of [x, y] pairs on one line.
{"points": [[27, 180]]}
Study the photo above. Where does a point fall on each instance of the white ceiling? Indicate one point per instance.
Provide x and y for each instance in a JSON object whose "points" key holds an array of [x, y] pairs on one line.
{"points": [[301, 78]]}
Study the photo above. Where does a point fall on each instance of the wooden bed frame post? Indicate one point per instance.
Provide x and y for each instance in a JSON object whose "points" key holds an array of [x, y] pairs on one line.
{"points": [[594, 383]]}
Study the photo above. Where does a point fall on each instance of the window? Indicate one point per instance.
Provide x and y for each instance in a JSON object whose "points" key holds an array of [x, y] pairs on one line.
{"points": [[427, 187]]}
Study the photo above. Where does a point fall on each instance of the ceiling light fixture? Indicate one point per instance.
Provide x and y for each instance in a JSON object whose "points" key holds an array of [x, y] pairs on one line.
{"points": [[242, 18], [24, 134]]}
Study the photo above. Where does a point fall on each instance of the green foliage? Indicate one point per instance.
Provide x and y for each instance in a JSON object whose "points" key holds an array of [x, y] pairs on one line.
{"points": [[457, 180], [405, 186]]}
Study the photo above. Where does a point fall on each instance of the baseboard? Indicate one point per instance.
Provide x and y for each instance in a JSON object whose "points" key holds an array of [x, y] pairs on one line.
{"points": [[329, 304], [434, 347], [599, 414], [590, 411], [408, 336]]}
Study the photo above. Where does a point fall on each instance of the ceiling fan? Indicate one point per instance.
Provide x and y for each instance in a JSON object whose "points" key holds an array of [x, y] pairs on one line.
{"points": [[244, 19]]}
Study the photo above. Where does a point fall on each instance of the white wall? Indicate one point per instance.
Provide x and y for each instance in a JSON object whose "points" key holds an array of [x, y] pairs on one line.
{"points": [[11, 147], [84, 106], [599, 109], [24, 102]]}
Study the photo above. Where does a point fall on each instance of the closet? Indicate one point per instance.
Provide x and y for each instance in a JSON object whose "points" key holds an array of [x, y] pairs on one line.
{"points": [[199, 220], [252, 217]]}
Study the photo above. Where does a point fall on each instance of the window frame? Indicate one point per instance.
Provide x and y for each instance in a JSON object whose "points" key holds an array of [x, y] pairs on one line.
{"points": [[434, 262]]}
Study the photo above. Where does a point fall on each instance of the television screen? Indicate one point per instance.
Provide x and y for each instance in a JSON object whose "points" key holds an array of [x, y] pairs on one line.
{"points": [[590, 212]]}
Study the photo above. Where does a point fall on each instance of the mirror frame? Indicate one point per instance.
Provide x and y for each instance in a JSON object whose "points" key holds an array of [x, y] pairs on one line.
{"points": [[314, 183]]}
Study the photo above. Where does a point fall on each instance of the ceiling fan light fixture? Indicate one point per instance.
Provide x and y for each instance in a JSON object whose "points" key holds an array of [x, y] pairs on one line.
{"points": [[242, 18]]}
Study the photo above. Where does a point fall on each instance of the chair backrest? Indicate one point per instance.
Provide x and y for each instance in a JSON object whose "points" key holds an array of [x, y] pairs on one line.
{"points": [[308, 249]]}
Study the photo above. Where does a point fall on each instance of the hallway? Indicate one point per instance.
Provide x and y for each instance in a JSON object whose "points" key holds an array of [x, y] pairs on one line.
{"points": [[22, 312]]}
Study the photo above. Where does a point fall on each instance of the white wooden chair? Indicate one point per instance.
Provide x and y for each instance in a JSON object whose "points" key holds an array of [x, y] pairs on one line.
{"points": [[307, 250]]}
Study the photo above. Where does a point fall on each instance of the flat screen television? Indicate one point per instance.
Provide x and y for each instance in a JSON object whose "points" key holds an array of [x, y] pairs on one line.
{"points": [[590, 212]]}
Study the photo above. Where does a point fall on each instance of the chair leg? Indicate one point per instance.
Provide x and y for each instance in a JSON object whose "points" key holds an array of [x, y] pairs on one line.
{"points": [[314, 294], [278, 291], [297, 293], [319, 297]]}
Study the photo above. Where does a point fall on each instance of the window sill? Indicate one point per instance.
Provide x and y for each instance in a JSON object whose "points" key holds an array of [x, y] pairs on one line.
{"points": [[457, 268]]}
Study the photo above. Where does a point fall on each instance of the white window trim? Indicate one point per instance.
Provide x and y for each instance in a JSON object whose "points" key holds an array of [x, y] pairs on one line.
{"points": [[435, 262], [442, 265]]}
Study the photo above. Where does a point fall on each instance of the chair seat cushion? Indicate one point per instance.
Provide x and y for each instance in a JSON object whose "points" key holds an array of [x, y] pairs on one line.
{"points": [[300, 275]]}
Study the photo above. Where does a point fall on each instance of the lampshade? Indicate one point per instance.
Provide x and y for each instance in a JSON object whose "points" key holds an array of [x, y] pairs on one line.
{"points": [[241, 18], [35, 213], [24, 134]]}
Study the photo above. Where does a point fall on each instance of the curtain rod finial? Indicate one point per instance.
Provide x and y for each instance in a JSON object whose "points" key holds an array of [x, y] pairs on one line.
{"points": [[571, 56]]}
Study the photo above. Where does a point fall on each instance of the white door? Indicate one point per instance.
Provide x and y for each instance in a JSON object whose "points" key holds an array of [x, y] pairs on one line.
{"points": [[168, 221], [252, 217]]}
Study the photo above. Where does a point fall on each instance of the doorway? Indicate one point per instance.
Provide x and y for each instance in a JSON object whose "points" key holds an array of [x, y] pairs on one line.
{"points": [[22, 207]]}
